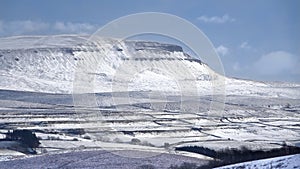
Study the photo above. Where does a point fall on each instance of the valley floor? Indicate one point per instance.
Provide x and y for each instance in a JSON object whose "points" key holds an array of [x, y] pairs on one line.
{"points": [[257, 123]]}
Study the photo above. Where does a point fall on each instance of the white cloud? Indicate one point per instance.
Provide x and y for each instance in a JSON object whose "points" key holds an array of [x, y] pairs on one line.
{"points": [[222, 50], [245, 45], [29, 26], [275, 63], [74, 27], [23, 27], [216, 19]]}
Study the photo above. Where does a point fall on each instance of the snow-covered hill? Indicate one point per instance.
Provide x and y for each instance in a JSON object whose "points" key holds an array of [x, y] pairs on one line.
{"points": [[64, 63]]}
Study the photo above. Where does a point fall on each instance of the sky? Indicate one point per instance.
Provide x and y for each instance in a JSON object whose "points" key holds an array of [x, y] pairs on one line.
{"points": [[255, 39]]}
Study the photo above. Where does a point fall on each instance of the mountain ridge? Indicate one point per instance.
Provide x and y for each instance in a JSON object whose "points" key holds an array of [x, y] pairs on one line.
{"points": [[50, 64]]}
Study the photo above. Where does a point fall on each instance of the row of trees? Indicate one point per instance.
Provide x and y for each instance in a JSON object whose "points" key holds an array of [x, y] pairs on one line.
{"points": [[26, 137]]}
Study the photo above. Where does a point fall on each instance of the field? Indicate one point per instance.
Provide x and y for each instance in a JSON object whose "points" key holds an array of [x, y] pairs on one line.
{"points": [[256, 123]]}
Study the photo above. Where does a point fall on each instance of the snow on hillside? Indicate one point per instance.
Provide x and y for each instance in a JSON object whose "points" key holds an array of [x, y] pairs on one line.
{"points": [[285, 162], [51, 64]]}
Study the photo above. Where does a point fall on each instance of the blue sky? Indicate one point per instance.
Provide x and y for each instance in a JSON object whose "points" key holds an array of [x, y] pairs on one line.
{"points": [[255, 39]]}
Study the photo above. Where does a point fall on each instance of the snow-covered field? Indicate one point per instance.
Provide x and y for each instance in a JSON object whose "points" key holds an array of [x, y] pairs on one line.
{"points": [[135, 96], [291, 162]]}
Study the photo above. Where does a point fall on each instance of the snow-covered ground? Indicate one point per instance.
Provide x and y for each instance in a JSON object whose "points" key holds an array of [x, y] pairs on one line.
{"points": [[131, 95], [288, 162]]}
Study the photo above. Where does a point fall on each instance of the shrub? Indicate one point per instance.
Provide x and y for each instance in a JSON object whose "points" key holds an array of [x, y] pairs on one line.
{"points": [[135, 141], [184, 165], [87, 137], [27, 137], [166, 145], [146, 166]]}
